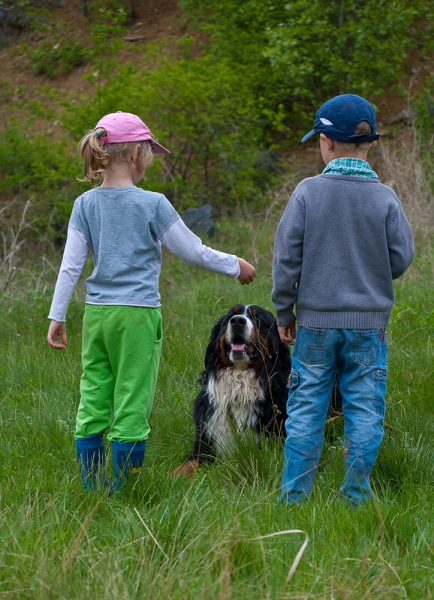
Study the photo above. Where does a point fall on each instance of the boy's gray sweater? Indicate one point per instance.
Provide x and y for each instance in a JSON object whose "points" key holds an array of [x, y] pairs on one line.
{"points": [[340, 243]]}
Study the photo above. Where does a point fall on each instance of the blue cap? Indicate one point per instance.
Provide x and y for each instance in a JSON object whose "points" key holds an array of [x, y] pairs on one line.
{"points": [[338, 118]]}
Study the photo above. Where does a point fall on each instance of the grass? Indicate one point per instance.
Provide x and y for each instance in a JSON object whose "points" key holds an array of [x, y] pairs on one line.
{"points": [[205, 537]]}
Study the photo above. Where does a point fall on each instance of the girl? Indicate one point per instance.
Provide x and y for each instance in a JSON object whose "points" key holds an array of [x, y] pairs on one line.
{"points": [[123, 226]]}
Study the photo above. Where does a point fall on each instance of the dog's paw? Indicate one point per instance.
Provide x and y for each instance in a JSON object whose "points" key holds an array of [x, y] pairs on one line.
{"points": [[188, 468]]}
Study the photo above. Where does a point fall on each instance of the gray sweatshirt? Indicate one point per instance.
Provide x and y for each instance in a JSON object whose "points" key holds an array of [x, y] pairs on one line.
{"points": [[341, 241]]}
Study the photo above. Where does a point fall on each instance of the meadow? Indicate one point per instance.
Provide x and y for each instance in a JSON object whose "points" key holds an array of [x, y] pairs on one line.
{"points": [[221, 534]]}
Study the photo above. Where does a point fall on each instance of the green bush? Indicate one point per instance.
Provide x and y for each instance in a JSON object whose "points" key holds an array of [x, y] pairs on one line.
{"points": [[315, 50], [43, 170], [53, 57]]}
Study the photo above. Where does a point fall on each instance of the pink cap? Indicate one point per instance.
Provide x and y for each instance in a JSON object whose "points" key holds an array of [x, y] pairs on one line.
{"points": [[126, 127]]}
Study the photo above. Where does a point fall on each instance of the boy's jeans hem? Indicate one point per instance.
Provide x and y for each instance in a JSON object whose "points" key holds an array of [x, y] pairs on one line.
{"points": [[292, 498]]}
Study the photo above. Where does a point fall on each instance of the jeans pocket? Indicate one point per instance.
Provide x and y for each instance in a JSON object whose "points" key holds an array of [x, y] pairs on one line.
{"points": [[366, 346], [310, 346]]}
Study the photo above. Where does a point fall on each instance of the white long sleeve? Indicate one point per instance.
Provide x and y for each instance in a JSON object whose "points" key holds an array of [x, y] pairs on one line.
{"points": [[187, 246], [74, 259]]}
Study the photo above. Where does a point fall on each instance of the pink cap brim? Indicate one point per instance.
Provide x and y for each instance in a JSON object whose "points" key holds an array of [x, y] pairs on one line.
{"points": [[159, 149]]}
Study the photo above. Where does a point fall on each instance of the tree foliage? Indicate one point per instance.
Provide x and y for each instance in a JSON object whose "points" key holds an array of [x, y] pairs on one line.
{"points": [[305, 52]]}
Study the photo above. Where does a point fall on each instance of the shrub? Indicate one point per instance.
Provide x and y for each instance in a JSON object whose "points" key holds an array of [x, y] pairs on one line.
{"points": [[42, 169], [305, 52], [54, 57]]}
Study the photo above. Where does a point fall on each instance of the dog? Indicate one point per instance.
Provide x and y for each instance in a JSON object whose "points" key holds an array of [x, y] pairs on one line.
{"points": [[243, 386]]}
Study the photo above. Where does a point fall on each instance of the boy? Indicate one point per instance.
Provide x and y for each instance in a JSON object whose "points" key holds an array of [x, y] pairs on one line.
{"points": [[341, 241]]}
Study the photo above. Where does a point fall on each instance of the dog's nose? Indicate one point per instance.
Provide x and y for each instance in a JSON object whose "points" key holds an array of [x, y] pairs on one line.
{"points": [[238, 320]]}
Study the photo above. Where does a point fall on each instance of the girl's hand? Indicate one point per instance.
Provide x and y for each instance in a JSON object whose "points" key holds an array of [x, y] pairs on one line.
{"points": [[57, 330], [247, 272]]}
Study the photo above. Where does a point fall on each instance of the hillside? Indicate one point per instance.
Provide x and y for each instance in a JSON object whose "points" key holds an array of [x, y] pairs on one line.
{"points": [[160, 21], [155, 20]]}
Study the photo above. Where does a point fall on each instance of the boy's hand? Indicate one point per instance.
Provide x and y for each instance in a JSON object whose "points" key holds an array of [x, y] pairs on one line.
{"points": [[57, 330], [247, 272], [285, 337]]}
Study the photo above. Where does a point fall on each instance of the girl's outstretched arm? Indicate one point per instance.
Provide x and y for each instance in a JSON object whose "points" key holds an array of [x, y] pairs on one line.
{"points": [[185, 244]]}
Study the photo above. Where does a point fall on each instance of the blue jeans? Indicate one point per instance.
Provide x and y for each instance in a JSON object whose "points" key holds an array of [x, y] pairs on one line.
{"points": [[359, 359]]}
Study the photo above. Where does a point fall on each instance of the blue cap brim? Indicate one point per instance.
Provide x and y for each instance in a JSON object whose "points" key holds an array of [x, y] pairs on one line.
{"points": [[308, 135]]}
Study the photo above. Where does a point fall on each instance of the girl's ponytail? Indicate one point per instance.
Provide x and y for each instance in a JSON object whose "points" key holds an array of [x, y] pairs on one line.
{"points": [[94, 154], [97, 156]]}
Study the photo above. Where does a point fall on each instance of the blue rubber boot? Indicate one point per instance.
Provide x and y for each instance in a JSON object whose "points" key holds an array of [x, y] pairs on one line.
{"points": [[127, 462], [92, 462]]}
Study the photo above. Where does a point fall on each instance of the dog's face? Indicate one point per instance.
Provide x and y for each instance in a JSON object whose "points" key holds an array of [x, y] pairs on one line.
{"points": [[246, 336]]}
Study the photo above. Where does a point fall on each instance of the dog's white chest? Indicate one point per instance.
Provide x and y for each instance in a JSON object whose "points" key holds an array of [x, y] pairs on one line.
{"points": [[235, 395]]}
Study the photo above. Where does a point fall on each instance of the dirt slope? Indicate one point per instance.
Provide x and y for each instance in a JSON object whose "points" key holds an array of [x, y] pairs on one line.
{"points": [[156, 20]]}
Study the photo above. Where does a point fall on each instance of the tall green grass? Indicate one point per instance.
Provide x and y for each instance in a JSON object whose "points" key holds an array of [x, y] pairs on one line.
{"points": [[203, 538]]}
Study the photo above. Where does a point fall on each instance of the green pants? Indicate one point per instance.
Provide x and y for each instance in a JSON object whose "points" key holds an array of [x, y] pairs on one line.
{"points": [[121, 356]]}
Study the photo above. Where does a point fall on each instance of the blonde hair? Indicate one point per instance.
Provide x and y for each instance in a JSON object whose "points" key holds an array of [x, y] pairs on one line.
{"points": [[97, 156]]}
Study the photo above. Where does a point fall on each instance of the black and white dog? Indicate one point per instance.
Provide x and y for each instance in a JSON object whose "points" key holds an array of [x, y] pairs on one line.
{"points": [[244, 384]]}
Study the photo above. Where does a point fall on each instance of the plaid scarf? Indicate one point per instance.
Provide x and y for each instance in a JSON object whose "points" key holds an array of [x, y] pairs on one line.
{"points": [[350, 166]]}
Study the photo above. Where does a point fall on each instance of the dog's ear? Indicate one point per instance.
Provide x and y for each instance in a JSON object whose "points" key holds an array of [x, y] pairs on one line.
{"points": [[212, 350]]}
